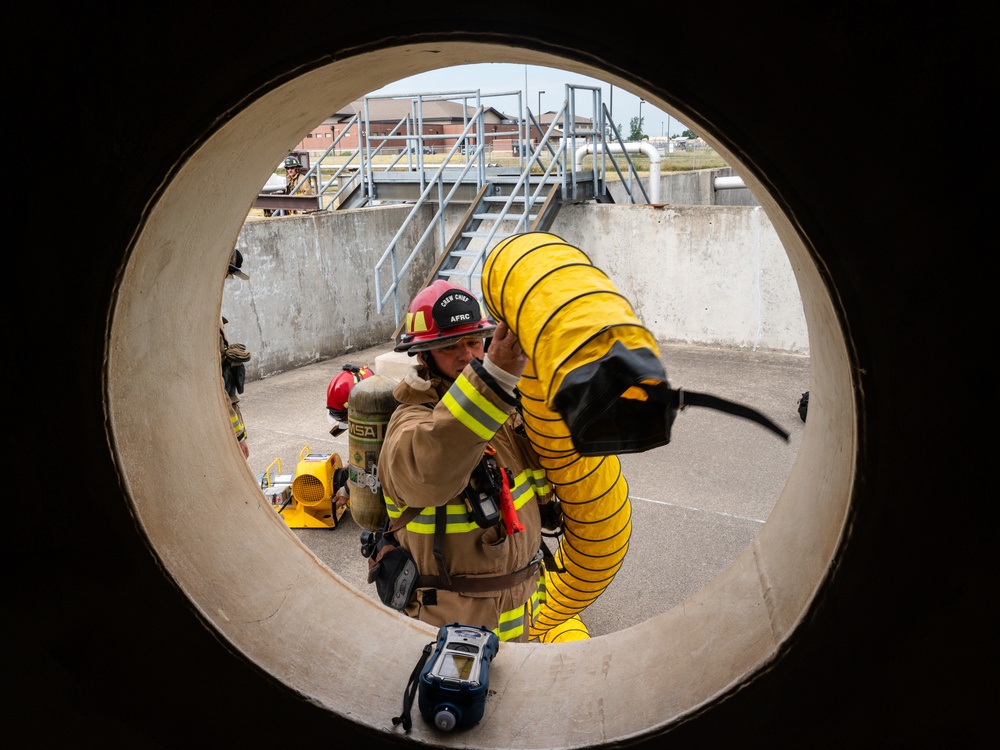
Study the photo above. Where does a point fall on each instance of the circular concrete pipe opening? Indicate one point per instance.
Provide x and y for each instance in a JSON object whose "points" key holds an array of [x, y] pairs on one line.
{"points": [[273, 601]]}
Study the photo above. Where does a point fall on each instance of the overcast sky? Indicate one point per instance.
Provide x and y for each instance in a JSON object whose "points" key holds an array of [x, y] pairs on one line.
{"points": [[501, 78]]}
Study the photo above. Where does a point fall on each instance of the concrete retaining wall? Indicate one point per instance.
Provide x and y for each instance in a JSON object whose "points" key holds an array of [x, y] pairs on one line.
{"points": [[714, 275], [311, 292], [695, 188]]}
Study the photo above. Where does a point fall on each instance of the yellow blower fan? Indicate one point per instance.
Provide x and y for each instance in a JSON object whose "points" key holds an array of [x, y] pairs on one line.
{"points": [[311, 506]]}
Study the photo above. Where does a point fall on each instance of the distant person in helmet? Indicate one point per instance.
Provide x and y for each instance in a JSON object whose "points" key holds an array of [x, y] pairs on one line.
{"points": [[458, 403], [294, 172]]}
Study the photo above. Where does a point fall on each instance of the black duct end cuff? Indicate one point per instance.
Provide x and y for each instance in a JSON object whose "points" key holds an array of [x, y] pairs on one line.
{"points": [[600, 421]]}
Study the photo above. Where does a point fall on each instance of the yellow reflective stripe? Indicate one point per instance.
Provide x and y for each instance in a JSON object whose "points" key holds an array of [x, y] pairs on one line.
{"points": [[527, 484], [523, 490], [473, 409], [391, 508], [541, 482], [512, 621], [537, 600], [458, 521], [237, 423], [511, 624]]}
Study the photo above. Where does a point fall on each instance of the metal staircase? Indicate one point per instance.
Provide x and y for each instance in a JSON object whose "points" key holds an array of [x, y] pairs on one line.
{"points": [[501, 201], [502, 208]]}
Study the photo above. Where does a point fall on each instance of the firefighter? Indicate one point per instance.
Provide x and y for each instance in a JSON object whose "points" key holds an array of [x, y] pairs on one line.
{"points": [[233, 357], [457, 404], [294, 172]]}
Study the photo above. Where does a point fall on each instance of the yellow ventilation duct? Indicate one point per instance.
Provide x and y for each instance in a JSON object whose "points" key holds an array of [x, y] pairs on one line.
{"points": [[594, 386]]}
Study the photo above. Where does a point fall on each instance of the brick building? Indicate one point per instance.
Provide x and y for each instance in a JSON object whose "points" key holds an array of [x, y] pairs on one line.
{"points": [[394, 123]]}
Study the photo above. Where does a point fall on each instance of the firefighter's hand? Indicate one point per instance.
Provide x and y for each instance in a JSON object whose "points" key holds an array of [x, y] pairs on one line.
{"points": [[505, 351], [245, 448]]}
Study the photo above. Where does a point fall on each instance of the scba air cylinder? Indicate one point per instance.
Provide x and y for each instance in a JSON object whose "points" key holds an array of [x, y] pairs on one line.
{"points": [[371, 405]]}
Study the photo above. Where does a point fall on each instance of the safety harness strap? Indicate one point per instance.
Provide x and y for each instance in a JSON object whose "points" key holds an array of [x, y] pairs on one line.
{"points": [[404, 518], [440, 527], [463, 585]]}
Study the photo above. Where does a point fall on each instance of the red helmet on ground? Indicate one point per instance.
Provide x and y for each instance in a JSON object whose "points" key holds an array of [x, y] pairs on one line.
{"points": [[440, 314], [339, 388]]}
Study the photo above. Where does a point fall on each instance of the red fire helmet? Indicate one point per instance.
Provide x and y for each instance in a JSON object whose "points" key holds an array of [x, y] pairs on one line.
{"points": [[440, 314], [340, 387]]}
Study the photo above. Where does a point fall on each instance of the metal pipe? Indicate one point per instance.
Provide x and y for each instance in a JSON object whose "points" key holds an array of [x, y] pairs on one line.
{"points": [[729, 183], [644, 147]]}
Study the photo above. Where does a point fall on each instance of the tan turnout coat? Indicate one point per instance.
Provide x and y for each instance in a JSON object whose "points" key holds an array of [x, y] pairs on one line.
{"points": [[427, 458]]}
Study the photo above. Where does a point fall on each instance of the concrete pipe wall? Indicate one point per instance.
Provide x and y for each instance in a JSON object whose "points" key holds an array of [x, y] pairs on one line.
{"points": [[159, 601]]}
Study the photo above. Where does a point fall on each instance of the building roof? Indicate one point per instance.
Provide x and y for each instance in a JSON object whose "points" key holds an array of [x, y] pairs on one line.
{"points": [[394, 110], [546, 118]]}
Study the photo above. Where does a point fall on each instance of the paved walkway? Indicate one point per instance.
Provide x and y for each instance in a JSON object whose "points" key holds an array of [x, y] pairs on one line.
{"points": [[696, 502]]}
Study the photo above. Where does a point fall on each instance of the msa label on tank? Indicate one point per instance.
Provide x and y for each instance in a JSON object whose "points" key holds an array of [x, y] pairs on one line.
{"points": [[374, 431]]}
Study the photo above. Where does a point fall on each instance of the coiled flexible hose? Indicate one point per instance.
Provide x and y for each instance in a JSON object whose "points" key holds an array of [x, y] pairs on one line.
{"points": [[594, 385]]}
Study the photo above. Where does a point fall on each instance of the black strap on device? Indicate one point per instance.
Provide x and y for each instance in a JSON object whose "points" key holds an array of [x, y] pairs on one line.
{"points": [[682, 399], [411, 690]]}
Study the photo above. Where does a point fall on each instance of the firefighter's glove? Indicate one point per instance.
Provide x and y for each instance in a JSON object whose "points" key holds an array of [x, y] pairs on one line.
{"points": [[237, 354]]}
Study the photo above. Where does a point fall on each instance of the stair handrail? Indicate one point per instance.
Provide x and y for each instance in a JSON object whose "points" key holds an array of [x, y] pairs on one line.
{"points": [[384, 139], [560, 166], [474, 270], [437, 179]]}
